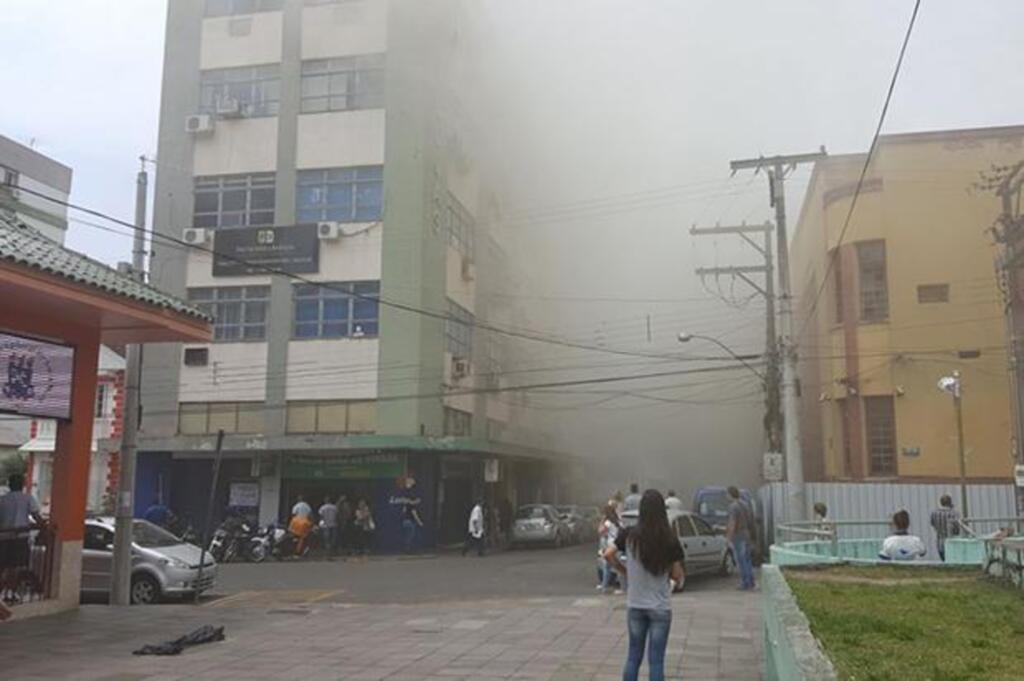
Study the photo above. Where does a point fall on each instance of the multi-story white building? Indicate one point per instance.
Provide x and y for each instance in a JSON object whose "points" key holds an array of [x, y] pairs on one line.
{"points": [[320, 149], [24, 174]]}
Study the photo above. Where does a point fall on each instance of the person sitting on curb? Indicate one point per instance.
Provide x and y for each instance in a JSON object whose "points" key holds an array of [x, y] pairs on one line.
{"points": [[901, 545]]}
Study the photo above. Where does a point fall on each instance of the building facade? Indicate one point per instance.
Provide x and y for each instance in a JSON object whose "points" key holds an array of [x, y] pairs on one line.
{"points": [[910, 295], [24, 175], [317, 158]]}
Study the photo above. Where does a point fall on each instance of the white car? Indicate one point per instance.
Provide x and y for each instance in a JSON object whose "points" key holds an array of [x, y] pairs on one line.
{"points": [[705, 550]]}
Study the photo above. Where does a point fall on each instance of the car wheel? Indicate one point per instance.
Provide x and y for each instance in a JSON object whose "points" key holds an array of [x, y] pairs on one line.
{"points": [[728, 564], [145, 590]]}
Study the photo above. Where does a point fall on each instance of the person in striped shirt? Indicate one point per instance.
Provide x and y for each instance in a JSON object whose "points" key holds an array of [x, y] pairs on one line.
{"points": [[946, 522]]}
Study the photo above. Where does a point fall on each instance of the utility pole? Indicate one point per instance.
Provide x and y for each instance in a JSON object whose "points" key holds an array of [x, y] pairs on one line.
{"points": [[777, 168], [773, 417], [1009, 231], [120, 584]]}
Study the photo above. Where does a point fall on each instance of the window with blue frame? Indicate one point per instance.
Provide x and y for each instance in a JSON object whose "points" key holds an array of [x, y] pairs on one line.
{"points": [[337, 310], [340, 194]]}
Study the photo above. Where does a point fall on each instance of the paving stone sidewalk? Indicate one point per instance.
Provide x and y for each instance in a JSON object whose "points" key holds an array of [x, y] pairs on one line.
{"points": [[715, 635]]}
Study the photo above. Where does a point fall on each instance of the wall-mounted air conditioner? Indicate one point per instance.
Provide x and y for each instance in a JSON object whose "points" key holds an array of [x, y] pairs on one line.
{"points": [[195, 235], [328, 230], [198, 124], [460, 367]]}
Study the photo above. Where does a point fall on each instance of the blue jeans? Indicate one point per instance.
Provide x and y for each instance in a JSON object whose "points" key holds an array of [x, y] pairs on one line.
{"points": [[741, 552], [641, 624], [408, 535]]}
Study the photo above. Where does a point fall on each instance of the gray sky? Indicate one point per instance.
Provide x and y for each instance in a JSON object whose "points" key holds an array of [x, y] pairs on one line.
{"points": [[592, 104]]}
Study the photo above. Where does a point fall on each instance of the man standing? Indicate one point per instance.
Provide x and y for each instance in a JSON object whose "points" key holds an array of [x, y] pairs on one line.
{"points": [[328, 513], [301, 507], [17, 511], [411, 520], [476, 530], [632, 502], [158, 513], [738, 533], [946, 522], [673, 503]]}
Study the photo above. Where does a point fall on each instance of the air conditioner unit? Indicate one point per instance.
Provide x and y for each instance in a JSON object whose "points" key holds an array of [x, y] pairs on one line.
{"points": [[195, 235], [328, 230], [198, 124], [460, 368], [468, 269], [229, 107]]}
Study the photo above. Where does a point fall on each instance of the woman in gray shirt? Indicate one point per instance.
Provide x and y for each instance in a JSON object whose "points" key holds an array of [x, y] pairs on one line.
{"points": [[653, 561]]}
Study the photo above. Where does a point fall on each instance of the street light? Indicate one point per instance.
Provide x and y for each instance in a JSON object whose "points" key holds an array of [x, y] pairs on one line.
{"points": [[952, 385], [687, 337]]}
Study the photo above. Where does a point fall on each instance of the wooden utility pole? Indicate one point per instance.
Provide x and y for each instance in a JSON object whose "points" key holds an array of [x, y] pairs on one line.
{"points": [[777, 167], [772, 417]]}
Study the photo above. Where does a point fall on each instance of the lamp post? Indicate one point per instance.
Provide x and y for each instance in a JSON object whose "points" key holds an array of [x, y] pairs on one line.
{"points": [[687, 337], [952, 385]]}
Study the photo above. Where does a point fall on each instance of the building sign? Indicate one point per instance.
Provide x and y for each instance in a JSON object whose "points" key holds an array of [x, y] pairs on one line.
{"points": [[251, 250], [35, 377], [244, 494], [492, 470], [774, 467], [367, 467]]}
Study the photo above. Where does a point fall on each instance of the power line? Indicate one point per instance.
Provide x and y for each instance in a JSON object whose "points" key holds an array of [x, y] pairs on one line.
{"points": [[863, 171]]}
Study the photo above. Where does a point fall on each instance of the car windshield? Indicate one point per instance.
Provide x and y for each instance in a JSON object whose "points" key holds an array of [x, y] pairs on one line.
{"points": [[531, 513], [148, 535], [716, 505]]}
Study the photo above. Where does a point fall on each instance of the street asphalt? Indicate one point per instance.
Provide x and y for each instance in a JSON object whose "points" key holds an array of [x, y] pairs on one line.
{"points": [[533, 573]]}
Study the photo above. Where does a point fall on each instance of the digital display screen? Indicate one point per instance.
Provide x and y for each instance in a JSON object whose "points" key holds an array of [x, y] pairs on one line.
{"points": [[35, 377]]}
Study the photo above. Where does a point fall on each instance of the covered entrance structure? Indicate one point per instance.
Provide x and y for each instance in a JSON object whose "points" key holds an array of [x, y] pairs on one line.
{"points": [[56, 308]]}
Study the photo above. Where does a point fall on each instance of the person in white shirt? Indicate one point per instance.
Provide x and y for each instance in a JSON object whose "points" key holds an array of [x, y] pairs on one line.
{"points": [[607, 534], [475, 534], [673, 503], [301, 507], [901, 545]]}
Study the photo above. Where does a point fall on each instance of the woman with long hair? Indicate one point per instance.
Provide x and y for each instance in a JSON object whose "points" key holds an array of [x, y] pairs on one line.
{"points": [[607, 532], [653, 562]]}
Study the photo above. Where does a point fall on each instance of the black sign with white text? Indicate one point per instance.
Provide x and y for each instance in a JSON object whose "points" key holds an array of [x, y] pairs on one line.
{"points": [[252, 250]]}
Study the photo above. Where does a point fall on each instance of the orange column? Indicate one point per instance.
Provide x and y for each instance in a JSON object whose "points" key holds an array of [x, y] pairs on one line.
{"points": [[73, 450]]}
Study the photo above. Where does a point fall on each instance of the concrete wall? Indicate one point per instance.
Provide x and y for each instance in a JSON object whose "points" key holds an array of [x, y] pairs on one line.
{"points": [[344, 369], [236, 373], [339, 139], [245, 145], [790, 649], [934, 231], [344, 29], [243, 40]]}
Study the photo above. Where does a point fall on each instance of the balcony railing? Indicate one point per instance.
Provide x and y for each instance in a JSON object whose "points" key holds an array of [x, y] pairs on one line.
{"points": [[30, 575]]}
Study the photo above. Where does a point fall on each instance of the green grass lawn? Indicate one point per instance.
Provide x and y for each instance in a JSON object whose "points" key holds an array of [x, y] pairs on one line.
{"points": [[940, 632]]}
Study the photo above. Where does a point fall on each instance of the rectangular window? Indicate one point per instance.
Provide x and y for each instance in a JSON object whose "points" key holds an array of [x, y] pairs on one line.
{"points": [[458, 331], [337, 310], [245, 91], [102, 390], [459, 227], [343, 84], [206, 418], [233, 200], [349, 417], [8, 176], [239, 312], [874, 292], [224, 8], [933, 293], [457, 423], [880, 430], [340, 194]]}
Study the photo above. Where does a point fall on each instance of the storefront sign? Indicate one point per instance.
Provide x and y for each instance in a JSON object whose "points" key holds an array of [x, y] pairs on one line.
{"points": [[35, 377], [492, 470], [252, 250], [244, 494], [366, 467]]}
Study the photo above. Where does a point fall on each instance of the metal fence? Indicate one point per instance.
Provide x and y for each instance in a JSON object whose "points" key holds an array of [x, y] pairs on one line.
{"points": [[27, 577], [879, 500]]}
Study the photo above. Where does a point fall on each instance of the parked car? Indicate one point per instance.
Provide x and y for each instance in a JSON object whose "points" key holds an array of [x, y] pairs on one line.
{"points": [[539, 524], [712, 505], [705, 550], [573, 517], [162, 565]]}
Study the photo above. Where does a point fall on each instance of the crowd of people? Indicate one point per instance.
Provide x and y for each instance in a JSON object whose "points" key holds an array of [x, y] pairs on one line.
{"points": [[348, 528]]}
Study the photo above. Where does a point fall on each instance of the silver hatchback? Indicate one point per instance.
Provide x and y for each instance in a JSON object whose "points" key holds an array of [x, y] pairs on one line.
{"points": [[162, 564], [540, 524]]}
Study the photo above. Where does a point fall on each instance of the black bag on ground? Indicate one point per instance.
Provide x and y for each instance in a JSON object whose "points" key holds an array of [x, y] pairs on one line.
{"points": [[204, 634]]}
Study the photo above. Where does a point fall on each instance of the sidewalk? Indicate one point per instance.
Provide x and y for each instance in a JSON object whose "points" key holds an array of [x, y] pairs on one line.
{"points": [[715, 635]]}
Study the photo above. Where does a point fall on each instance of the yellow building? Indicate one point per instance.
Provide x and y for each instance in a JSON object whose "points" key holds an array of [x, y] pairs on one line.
{"points": [[911, 296]]}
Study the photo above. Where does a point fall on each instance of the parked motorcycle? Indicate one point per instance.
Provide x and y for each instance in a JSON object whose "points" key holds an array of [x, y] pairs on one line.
{"points": [[284, 543], [233, 539]]}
